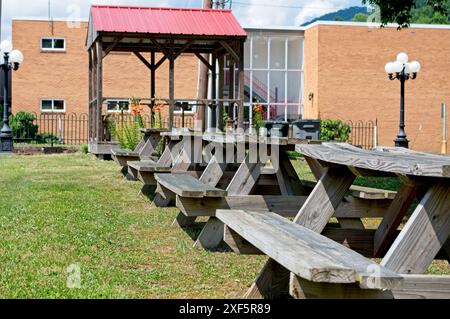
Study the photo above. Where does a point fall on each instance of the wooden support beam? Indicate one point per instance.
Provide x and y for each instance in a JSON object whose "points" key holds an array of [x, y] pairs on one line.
{"points": [[111, 47], [241, 83], [203, 60], [231, 51], [183, 49], [385, 234], [423, 235], [160, 62], [221, 91], [99, 82], [214, 92], [143, 60]]}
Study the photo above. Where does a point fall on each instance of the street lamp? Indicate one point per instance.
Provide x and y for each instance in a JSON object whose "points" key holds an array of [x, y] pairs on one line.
{"points": [[402, 70], [9, 60]]}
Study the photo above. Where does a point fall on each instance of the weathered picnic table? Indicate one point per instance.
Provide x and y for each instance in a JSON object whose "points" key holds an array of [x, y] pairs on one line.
{"points": [[143, 151], [278, 187], [182, 154], [306, 264]]}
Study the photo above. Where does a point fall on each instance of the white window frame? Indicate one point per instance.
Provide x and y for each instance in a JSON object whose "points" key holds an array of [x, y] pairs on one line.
{"points": [[53, 49], [194, 108], [118, 101], [53, 106]]}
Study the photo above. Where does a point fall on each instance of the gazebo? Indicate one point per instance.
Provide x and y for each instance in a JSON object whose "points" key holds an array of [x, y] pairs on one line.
{"points": [[212, 35]]}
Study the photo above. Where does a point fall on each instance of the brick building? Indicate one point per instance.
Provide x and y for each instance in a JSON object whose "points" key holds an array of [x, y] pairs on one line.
{"points": [[325, 70]]}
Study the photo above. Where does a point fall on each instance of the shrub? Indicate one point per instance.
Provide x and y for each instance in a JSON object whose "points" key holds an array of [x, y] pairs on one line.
{"points": [[127, 134], [335, 130], [84, 149], [46, 138], [22, 125]]}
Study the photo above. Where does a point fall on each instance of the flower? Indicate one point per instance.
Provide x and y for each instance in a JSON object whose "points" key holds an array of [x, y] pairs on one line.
{"points": [[158, 106], [136, 109]]}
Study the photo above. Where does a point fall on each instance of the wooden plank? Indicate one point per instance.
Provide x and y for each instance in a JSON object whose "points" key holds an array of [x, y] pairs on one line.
{"points": [[187, 186], [325, 198], [385, 234], [305, 253], [423, 235], [424, 287], [245, 178], [213, 172], [398, 163], [238, 244], [351, 223], [362, 192], [147, 166], [286, 206], [211, 235], [287, 177], [184, 221]]}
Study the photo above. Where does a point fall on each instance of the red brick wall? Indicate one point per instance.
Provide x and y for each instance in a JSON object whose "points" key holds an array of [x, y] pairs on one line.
{"points": [[351, 84], [65, 74]]}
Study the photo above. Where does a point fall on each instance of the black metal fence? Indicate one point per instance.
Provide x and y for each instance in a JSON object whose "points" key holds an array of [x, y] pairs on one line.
{"points": [[363, 134], [72, 128]]}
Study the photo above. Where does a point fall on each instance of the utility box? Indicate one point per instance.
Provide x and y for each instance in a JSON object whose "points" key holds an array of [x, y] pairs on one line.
{"points": [[276, 129], [306, 129]]}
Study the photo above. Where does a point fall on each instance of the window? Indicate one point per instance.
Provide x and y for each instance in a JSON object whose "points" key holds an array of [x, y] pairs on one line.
{"points": [[53, 44], [188, 107], [118, 105], [53, 105]]}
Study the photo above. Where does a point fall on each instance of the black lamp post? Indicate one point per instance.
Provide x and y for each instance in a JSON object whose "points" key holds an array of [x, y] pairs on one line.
{"points": [[9, 60], [403, 71]]}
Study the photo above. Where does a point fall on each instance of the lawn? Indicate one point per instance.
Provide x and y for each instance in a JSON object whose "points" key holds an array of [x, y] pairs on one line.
{"points": [[63, 210], [64, 213]]}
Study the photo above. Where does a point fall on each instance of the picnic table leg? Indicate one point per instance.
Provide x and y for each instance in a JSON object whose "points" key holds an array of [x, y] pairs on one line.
{"points": [[211, 235], [315, 213], [183, 221], [424, 234], [387, 230], [287, 177], [242, 183]]}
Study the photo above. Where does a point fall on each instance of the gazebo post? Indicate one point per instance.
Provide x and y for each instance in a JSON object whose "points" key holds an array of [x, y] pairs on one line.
{"points": [[214, 92], [241, 86], [171, 89], [221, 89], [152, 88], [231, 88], [99, 83]]}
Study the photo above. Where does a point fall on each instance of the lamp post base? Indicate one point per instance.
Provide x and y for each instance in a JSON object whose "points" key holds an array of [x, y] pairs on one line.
{"points": [[402, 142], [6, 142]]}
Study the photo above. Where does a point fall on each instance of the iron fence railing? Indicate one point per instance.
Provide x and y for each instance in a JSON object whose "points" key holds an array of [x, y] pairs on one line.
{"points": [[364, 134], [72, 128]]}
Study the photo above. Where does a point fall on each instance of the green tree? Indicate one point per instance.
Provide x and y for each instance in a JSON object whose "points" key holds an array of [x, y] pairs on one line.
{"points": [[338, 19], [402, 11], [360, 17]]}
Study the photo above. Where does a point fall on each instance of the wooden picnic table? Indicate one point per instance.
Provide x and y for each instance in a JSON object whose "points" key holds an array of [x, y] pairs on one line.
{"points": [[332, 270]]}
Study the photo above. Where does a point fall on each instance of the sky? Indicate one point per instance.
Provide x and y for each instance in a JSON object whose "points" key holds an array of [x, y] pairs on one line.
{"points": [[248, 12]]}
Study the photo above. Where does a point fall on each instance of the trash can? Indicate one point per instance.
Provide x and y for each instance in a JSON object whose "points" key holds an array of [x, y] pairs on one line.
{"points": [[276, 128], [306, 129]]}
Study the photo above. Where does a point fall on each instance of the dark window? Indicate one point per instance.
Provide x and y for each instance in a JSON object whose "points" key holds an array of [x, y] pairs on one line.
{"points": [[57, 44], [55, 105], [118, 106]]}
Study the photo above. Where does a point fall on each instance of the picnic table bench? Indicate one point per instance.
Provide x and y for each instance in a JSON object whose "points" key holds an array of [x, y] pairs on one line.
{"points": [[406, 254]]}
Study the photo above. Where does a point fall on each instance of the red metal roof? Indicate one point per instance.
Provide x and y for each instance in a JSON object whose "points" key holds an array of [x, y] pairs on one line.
{"points": [[180, 21]]}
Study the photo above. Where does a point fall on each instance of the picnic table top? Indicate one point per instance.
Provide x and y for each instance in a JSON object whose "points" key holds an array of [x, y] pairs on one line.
{"points": [[248, 139], [390, 160]]}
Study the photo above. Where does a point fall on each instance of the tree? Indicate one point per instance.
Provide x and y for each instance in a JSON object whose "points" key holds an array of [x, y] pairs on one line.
{"points": [[360, 17], [338, 19], [401, 11]]}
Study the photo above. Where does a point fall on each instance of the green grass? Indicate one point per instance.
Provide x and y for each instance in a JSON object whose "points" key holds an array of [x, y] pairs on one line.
{"points": [[62, 210], [72, 209]]}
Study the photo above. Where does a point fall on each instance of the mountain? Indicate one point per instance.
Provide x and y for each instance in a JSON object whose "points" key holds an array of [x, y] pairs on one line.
{"points": [[343, 15]]}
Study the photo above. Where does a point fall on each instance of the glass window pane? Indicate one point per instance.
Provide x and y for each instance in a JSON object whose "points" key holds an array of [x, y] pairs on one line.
{"points": [[277, 113], [58, 43], [46, 104], [247, 54], [124, 105], [294, 87], [259, 85], [58, 105], [112, 106], [46, 43], [260, 60], [278, 53], [277, 86], [295, 53]]}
